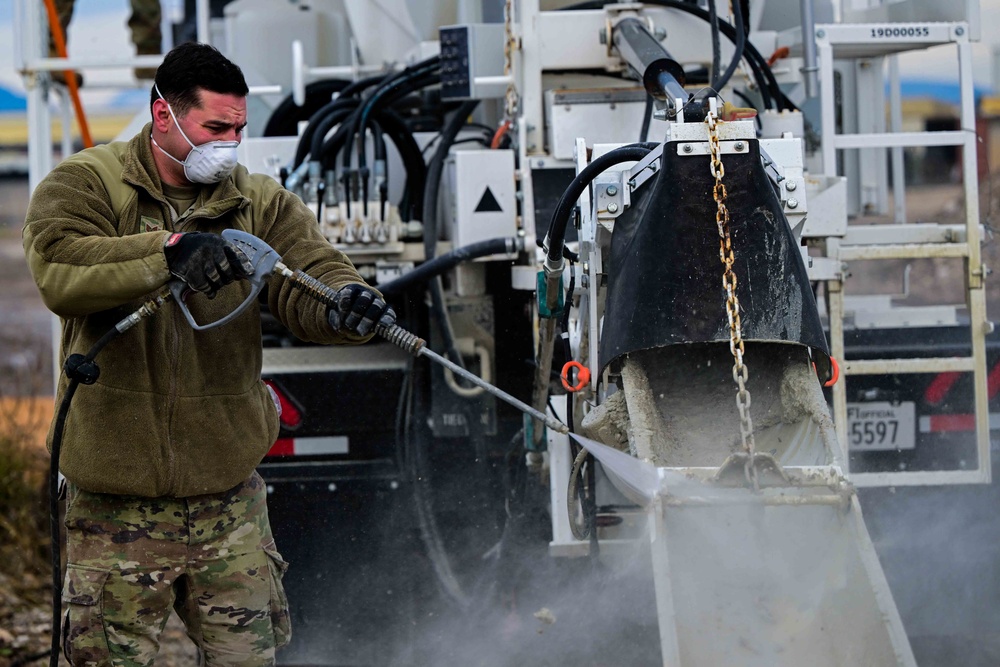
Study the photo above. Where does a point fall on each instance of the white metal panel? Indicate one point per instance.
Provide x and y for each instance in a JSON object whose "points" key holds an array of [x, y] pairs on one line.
{"points": [[919, 11], [483, 195], [600, 116], [279, 360]]}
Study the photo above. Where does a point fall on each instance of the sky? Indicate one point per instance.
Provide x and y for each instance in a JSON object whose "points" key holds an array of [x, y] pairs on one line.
{"points": [[99, 27]]}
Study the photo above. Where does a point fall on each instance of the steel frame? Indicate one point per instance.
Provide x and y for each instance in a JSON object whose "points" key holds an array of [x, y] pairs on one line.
{"points": [[838, 41]]}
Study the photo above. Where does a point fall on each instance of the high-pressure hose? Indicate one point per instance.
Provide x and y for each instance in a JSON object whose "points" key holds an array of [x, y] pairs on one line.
{"points": [[80, 369], [432, 185], [413, 344], [555, 238]]}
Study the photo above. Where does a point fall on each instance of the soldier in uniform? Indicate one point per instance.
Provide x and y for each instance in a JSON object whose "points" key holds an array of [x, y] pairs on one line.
{"points": [[164, 507], [144, 24]]}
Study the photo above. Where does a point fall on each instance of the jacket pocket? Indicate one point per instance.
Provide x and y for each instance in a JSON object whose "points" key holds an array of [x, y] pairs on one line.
{"points": [[85, 641], [281, 622]]}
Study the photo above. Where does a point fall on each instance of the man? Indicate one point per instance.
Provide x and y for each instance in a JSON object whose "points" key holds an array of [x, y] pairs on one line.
{"points": [[164, 509], [144, 26]]}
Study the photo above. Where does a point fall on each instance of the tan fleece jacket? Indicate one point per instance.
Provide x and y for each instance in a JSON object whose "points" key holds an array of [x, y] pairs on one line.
{"points": [[175, 412]]}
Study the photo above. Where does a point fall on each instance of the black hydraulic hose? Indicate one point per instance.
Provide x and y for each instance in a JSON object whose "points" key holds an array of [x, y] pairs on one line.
{"points": [[381, 99], [383, 185], [434, 170], [392, 89], [556, 234], [361, 84], [438, 265], [762, 71], [389, 87], [346, 95], [431, 186], [380, 153], [326, 151], [413, 162], [335, 117], [283, 120], [349, 130], [644, 131], [80, 369], [312, 126], [741, 42], [362, 118], [713, 22]]}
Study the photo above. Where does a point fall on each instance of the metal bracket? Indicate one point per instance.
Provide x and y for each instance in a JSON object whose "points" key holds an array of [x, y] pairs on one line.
{"points": [[615, 13], [774, 171], [644, 169], [692, 148], [610, 197]]}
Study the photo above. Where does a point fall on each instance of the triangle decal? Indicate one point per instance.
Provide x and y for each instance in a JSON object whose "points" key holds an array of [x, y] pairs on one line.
{"points": [[488, 203]]}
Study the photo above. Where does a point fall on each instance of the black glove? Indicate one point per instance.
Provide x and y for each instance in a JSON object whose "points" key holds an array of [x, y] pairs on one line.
{"points": [[205, 262], [357, 309]]}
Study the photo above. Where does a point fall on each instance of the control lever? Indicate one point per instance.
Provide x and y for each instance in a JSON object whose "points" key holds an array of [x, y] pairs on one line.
{"points": [[265, 261]]}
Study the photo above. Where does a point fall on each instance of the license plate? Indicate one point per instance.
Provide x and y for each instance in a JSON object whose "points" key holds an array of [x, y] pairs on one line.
{"points": [[880, 426]]}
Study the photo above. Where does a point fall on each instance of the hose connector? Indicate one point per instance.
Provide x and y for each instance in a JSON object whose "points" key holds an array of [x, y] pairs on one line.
{"points": [[401, 338]]}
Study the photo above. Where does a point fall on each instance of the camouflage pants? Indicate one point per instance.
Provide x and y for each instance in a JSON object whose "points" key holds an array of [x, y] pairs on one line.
{"points": [[211, 558]]}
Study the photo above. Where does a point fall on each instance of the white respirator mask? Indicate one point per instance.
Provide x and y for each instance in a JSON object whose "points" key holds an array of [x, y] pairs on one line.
{"points": [[207, 163]]}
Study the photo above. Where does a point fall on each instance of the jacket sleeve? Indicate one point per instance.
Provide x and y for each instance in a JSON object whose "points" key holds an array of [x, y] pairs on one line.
{"points": [[291, 229], [74, 252]]}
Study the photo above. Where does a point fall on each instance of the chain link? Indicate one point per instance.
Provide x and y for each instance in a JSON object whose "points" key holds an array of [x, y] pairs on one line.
{"points": [[728, 258], [509, 46]]}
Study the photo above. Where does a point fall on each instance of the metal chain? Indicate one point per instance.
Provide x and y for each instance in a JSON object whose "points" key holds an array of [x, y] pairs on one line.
{"points": [[740, 372], [509, 45]]}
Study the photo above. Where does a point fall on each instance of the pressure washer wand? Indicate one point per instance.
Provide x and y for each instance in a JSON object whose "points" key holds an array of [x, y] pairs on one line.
{"points": [[416, 346], [260, 261]]}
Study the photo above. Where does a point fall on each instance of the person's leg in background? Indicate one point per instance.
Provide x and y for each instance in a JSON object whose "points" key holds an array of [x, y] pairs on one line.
{"points": [[64, 9], [146, 35]]}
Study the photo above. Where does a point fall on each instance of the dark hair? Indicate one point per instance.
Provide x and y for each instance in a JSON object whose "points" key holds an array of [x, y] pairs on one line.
{"points": [[192, 67]]}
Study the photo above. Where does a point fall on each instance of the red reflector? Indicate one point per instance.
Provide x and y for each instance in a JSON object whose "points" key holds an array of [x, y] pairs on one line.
{"points": [[290, 415], [951, 423], [282, 447], [993, 381], [940, 386]]}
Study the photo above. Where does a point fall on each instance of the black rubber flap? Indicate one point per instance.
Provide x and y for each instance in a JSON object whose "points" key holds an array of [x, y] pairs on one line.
{"points": [[665, 274]]}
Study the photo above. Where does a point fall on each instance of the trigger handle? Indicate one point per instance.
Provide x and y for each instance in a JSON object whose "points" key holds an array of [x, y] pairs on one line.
{"points": [[180, 290], [261, 260]]}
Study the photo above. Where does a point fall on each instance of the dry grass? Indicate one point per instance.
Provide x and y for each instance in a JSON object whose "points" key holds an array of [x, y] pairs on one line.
{"points": [[24, 419]]}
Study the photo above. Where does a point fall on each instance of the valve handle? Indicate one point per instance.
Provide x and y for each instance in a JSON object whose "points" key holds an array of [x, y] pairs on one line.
{"points": [[834, 372], [582, 375]]}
